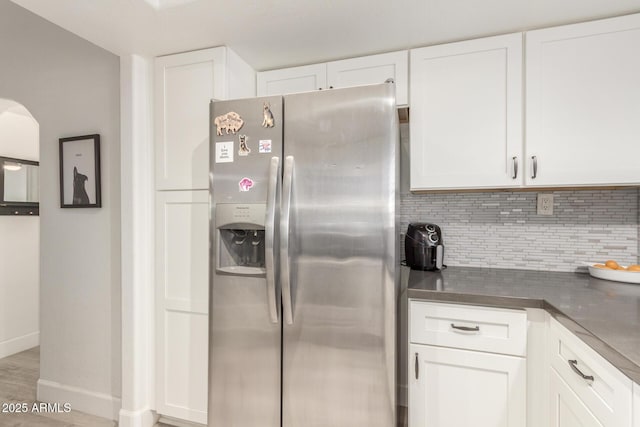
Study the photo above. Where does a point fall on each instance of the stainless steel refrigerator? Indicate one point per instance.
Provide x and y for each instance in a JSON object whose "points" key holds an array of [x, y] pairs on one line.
{"points": [[303, 280]]}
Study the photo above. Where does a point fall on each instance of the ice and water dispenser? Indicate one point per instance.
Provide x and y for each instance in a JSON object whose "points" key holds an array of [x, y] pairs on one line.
{"points": [[240, 238]]}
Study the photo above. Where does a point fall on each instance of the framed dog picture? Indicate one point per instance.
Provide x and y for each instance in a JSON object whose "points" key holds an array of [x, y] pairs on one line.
{"points": [[80, 172]]}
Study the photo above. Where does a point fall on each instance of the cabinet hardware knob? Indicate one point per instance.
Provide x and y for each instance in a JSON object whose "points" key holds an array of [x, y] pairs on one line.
{"points": [[417, 367], [574, 366], [466, 328], [534, 167], [515, 167]]}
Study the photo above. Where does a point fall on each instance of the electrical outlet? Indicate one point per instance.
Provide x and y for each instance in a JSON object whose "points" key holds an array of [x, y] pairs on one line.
{"points": [[545, 204]]}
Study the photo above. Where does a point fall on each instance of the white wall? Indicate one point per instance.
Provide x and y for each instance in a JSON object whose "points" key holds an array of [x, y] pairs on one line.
{"points": [[18, 132], [72, 87], [19, 242], [19, 328]]}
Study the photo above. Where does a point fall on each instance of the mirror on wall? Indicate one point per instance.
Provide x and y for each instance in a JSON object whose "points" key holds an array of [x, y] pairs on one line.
{"points": [[18, 187]]}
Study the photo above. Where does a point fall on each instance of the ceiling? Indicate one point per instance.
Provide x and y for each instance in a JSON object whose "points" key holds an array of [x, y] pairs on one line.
{"points": [[280, 33]]}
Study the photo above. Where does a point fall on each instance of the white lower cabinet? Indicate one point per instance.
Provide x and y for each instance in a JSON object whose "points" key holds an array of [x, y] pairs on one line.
{"points": [[597, 393], [472, 366], [182, 321], [565, 407], [461, 388]]}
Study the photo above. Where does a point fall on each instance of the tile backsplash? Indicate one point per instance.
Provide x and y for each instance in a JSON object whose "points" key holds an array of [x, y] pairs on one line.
{"points": [[503, 230]]}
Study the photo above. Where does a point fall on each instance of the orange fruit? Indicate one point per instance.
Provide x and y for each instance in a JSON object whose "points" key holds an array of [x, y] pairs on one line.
{"points": [[599, 266], [612, 264], [634, 267]]}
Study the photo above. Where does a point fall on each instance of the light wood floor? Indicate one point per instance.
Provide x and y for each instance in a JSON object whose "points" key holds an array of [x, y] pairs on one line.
{"points": [[18, 377]]}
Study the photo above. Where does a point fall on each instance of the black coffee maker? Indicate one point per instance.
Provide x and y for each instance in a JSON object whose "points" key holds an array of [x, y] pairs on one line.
{"points": [[423, 246]]}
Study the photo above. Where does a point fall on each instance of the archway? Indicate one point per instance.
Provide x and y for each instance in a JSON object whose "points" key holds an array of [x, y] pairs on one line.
{"points": [[19, 247]]}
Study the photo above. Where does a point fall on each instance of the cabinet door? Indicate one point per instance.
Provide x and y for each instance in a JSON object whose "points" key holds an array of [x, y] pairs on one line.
{"points": [[292, 80], [372, 70], [466, 114], [182, 271], [451, 387], [185, 84], [565, 408], [583, 103]]}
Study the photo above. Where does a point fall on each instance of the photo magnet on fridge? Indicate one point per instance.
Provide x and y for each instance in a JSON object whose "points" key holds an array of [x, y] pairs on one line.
{"points": [[245, 184], [244, 149], [264, 146], [267, 121], [230, 122], [224, 152]]}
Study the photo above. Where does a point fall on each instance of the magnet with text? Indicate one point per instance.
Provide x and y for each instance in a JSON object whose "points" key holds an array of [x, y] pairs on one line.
{"points": [[245, 184], [244, 149], [264, 146], [230, 122], [267, 120], [224, 152]]}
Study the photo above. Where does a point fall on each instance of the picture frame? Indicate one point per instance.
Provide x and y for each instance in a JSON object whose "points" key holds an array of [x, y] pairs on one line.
{"points": [[80, 172]]}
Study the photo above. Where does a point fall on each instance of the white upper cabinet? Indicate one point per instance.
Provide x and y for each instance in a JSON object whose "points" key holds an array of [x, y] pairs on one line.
{"points": [[466, 114], [583, 104], [337, 74], [184, 85], [292, 80], [372, 70]]}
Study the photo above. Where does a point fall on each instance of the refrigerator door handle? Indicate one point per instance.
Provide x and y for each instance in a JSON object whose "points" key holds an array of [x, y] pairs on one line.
{"points": [[285, 270], [270, 229]]}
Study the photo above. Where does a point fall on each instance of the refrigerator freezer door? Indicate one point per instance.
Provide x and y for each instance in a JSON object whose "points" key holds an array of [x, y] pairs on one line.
{"points": [[244, 329], [339, 350]]}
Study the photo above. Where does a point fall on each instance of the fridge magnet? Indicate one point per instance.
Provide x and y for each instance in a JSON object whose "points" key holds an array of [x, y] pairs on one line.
{"points": [[267, 121], [244, 150], [245, 184], [80, 172], [230, 122], [264, 146], [224, 152]]}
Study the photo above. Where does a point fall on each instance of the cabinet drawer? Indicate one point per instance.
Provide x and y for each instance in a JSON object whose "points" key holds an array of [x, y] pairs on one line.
{"points": [[608, 395], [493, 330]]}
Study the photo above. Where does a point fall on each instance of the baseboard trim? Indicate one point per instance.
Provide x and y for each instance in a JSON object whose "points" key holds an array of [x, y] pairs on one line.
{"points": [[178, 423], [98, 404], [16, 345], [142, 418]]}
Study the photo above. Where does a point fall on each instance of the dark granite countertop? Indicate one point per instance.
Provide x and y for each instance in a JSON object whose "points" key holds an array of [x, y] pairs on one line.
{"points": [[604, 314]]}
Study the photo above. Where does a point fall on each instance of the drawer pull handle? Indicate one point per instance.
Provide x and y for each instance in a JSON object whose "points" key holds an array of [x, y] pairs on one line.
{"points": [[573, 364], [417, 367], [466, 328]]}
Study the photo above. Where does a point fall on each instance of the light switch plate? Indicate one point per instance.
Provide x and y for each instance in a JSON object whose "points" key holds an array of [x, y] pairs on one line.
{"points": [[545, 204]]}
